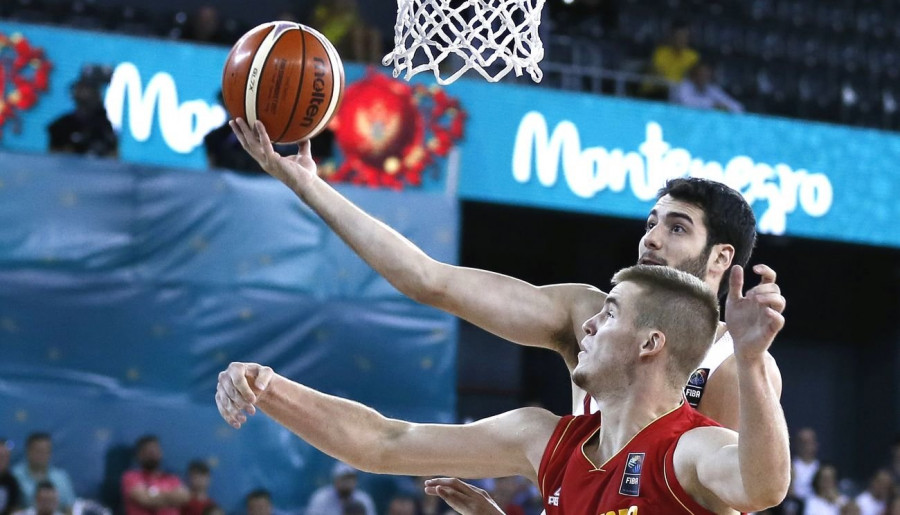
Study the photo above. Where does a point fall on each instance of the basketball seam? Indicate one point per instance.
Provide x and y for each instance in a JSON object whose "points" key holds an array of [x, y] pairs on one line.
{"points": [[337, 77], [287, 126], [262, 69], [247, 80]]}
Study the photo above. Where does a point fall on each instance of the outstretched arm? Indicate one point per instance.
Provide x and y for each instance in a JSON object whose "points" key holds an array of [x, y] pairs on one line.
{"points": [[750, 472], [510, 308], [505, 445]]}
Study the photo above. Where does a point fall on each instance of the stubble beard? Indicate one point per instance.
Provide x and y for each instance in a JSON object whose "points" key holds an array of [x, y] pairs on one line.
{"points": [[697, 266]]}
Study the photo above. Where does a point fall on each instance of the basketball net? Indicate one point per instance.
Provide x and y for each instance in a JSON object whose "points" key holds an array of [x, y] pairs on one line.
{"points": [[492, 37]]}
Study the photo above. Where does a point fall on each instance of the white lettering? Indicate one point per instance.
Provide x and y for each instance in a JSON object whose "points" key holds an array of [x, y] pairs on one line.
{"points": [[588, 171], [182, 126]]}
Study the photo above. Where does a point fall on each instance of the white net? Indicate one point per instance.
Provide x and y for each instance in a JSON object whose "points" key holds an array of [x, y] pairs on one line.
{"points": [[451, 37]]}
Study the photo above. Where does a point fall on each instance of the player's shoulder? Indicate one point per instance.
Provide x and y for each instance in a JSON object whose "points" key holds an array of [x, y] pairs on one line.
{"points": [[535, 416]]}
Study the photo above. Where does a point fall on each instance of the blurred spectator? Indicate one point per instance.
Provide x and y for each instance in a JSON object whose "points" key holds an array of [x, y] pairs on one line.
{"points": [[198, 479], [430, 504], [893, 506], [504, 492], [354, 507], [401, 505], [258, 502], [529, 498], [45, 502], [826, 498], [700, 92], [10, 493], [805, 462], [873, 501], [86, 130], [329, 500], [586, 17], [288, 16], [671, 61], [204, 25], [213, 509], [851, 508], [791, 504], [895, 460], [223, 150], [341, 22], [36, 468], [149, 490]]}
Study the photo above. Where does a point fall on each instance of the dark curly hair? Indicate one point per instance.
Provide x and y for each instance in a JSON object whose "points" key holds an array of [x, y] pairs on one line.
{"points": [[726, 215]]}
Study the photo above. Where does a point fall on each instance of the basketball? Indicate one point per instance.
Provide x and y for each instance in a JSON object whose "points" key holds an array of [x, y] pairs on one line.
{"points": [[287, 75]]}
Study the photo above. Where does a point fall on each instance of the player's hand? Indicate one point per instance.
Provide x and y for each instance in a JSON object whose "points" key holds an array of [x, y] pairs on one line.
{"points": [[755, 318], [462, 497], [767, 277], [293, 170], [235, 395]]}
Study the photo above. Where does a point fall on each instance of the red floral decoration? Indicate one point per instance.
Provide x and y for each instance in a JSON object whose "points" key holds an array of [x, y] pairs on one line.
{"points": [[390, 131], [24, 73]]}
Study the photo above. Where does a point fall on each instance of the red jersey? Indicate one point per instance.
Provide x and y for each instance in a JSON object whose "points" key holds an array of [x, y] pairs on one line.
{"points": [[197, 506], [160, 482], [639, 480]]}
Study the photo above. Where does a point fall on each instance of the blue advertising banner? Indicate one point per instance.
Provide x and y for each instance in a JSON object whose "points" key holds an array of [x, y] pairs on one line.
{"points": [[606, 156], [521, 145], [162, 98]]}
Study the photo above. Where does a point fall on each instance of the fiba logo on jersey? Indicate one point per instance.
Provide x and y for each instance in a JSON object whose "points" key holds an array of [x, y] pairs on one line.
{"points": [[693, 390], [631, 478], [635, 461]]}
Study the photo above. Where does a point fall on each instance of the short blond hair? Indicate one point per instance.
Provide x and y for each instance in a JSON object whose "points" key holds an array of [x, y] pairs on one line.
{"points": [[679, 305]]}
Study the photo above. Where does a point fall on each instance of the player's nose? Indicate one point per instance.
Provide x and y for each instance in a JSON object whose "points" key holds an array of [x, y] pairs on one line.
{"points": [[651, 239], [590, 326]]}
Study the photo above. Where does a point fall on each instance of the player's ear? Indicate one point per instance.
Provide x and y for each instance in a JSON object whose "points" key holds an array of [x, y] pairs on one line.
{"points": [[721, 257], [653, 343]]}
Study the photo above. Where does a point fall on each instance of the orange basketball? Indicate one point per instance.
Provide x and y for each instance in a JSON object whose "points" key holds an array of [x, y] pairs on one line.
{"points": [[287, 75]]}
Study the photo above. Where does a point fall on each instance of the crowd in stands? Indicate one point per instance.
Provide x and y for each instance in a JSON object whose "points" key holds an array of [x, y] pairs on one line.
{"points": [[833, 61], [826, 61], [339, 20], [37, 486]]}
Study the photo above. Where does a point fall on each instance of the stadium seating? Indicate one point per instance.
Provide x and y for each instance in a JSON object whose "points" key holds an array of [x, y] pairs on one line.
{"points": [[832, 61]]}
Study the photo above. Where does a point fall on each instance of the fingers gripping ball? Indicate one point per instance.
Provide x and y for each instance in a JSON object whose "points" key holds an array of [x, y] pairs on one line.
{"points": [[286, 75]]}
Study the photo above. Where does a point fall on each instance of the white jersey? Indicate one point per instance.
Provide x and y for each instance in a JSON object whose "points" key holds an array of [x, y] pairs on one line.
{"points": [[693, 390], [718, 353]]}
